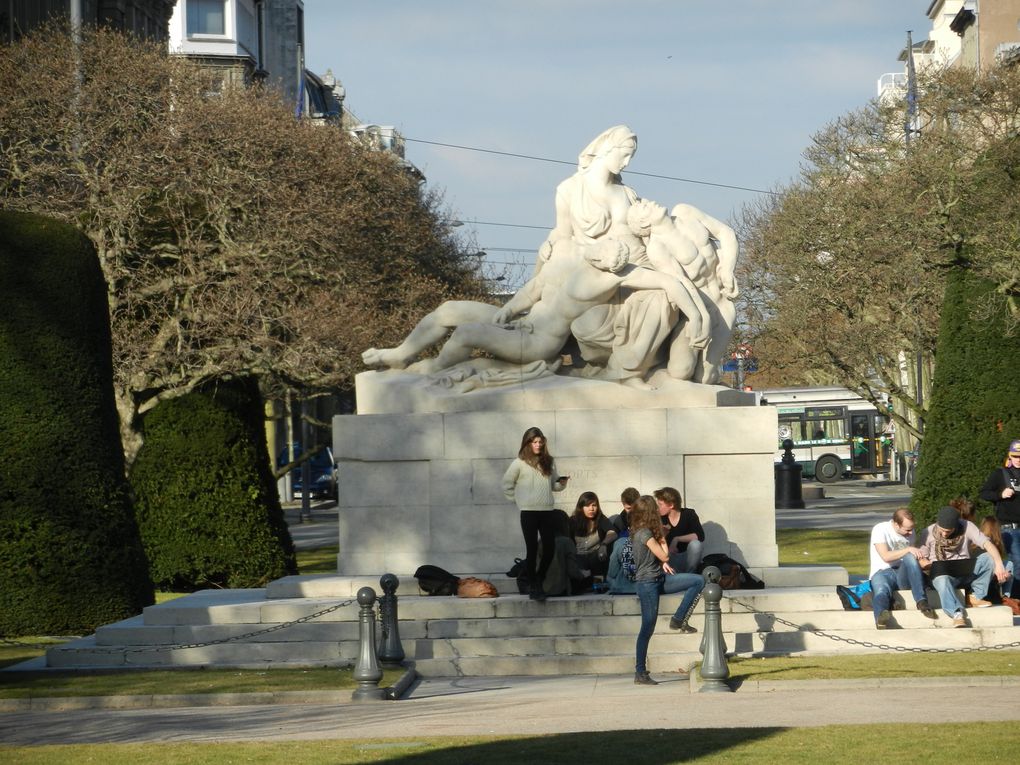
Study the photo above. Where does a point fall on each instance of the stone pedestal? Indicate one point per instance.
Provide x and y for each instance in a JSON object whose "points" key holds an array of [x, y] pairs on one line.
{"points": [[425, 487]]}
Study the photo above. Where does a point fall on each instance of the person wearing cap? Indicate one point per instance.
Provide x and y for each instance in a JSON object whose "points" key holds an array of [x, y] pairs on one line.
{"points": [[946, 551], [1003, 489]]}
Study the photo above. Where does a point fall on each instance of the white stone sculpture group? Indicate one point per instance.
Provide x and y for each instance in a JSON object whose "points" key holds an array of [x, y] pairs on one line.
{"points": [[637, 288]]}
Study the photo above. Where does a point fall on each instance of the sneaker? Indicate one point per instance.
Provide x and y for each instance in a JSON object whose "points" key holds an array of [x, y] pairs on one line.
{"points": [[973, 602], [882, 621], [924, 608], [643, 678], [538, 594], [684, 627], [959, 621]]}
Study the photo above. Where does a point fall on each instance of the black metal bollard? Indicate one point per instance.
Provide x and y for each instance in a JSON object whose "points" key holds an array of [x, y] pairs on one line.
{"points": [[366, 670], [391, 652], [714, 670], [788, 476]]}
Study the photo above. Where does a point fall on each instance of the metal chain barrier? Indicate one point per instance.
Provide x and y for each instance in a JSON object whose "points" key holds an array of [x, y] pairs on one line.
{"points": [[868, 644], [221, 641]]}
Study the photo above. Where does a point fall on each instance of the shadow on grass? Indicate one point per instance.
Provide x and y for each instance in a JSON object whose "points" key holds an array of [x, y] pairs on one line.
{"points": [[651, 747]]}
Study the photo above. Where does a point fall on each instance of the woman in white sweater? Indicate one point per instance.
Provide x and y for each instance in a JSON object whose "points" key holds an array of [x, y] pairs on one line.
{"points": [[529, 482]]}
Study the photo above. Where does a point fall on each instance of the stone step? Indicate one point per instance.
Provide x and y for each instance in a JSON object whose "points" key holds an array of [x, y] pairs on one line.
{"points": [[85, 653], [510, 634], [134, 632], [339, 586], [204, 609], [508, 666], [536, 655]]}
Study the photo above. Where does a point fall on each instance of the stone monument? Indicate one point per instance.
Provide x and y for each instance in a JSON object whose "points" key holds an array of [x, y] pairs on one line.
{"points": [[613, 348]]}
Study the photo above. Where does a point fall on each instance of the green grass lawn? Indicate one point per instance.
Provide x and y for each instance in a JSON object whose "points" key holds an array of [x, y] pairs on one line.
{"points": [[321, 561], [853, 667], [990, 742], [20, 685], [834, 547]]}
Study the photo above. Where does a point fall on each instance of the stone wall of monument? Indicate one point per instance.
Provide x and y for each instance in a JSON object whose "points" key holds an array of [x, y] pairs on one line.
{"points": [[426, 488]]}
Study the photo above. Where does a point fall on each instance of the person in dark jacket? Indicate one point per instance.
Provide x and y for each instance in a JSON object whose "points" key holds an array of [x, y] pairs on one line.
{"points": [[564, 574], [621, 521], [1003, 489], [685, 536]]}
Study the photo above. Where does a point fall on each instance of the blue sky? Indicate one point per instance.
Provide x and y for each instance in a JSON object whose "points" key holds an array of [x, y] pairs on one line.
{"points": [[727, 92]]}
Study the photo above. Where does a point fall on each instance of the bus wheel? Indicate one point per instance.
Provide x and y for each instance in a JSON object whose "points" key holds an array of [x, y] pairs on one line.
{"points": [[828, 468]]}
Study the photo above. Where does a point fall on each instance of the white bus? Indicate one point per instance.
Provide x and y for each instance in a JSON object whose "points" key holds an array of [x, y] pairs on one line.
{"points": [[835, 432]]}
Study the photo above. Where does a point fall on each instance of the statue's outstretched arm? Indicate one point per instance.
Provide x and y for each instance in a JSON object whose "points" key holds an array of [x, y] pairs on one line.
{"points": [[521, 302], [681, 292]]}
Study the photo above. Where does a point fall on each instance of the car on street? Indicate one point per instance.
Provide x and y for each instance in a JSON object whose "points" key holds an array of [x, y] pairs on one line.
{"points": [[323, 472]]}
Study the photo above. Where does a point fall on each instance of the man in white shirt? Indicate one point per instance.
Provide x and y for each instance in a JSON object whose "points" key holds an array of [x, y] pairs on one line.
{"points": [[895, 566]]}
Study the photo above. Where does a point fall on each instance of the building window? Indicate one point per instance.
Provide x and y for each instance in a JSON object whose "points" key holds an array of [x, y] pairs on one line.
{"points": [[206, 17]]}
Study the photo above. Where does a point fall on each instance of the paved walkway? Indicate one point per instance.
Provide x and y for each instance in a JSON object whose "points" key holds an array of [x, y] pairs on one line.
{"points": [[530, 705], [851, 504]]}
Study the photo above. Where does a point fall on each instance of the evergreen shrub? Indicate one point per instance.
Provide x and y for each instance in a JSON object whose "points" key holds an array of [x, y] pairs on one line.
{"points": [[205, 495], [975, 409], [70, 554]]}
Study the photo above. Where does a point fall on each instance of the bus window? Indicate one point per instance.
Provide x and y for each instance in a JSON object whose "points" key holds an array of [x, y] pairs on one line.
{"points": [[818, 430]]}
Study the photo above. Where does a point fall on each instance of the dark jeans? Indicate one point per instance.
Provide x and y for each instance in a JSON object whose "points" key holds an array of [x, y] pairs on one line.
{"points": [[1011, 541], [884, 583], [648, 595], [535, 524]]}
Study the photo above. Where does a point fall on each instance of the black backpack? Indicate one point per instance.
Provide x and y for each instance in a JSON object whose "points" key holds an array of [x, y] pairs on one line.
{"points": [[734, 575], [433, 580]]}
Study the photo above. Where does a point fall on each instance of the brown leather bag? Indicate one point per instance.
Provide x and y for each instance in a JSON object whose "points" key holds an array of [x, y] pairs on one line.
{"points": [[1014, 604], [473, 587]]}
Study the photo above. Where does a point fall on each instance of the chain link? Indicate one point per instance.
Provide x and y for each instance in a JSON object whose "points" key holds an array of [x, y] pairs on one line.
{"points": [[868, 644]]}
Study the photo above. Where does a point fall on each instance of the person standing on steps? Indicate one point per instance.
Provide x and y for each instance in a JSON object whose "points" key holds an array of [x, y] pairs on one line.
{"points": [[654, 576], [1002, 488], [529, 482], [895, 566]]}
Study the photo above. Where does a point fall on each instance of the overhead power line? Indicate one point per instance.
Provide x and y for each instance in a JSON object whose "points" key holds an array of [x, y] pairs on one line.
{"points": [[508, 225], [574, 164]]}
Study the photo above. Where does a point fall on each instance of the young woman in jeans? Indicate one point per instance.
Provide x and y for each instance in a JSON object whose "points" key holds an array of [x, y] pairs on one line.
{"points": [[654, 577]]}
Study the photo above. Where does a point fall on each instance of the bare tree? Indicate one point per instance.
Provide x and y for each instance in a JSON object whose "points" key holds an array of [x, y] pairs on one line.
{"points": [[844, 270], [234, 239]]}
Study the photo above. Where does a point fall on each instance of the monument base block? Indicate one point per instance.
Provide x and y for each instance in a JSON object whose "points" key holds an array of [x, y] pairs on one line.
{"points": [[427, 487]]}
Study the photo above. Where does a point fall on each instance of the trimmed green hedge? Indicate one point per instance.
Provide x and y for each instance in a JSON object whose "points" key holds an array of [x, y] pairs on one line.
{"points": [[205, 496], [70, 555], [975, 406]]}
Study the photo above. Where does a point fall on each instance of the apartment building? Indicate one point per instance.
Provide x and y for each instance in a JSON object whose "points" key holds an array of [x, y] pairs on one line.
{"points": [[145, 18]]}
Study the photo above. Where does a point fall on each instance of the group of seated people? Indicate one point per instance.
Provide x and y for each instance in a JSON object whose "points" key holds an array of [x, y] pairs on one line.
{"points": [[593, 551], [953, 553]]}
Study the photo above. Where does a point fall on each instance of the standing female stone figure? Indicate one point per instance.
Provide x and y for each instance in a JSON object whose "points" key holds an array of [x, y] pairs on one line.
{"points": [[593, 202], [621, 338], [529, 482]]}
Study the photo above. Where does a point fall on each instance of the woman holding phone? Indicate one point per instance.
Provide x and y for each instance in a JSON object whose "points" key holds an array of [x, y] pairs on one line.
{"points": [[529, 482]]}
